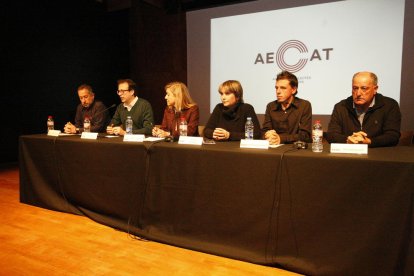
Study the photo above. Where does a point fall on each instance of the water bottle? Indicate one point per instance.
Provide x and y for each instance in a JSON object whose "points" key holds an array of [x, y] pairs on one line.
{"points": [[183, 127], [128, 125], [50, 123], [87, 124], [317, 136], [249, 129]]}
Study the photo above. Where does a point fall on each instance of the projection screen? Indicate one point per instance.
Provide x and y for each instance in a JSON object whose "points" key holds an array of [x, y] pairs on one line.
{"points": [[322, 42]]}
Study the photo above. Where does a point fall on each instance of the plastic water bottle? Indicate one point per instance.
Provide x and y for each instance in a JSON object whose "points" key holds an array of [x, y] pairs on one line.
{"points": [[317, 136], [87, 124], [128, 125], [50, 123], [249, 128], [183, 127]]}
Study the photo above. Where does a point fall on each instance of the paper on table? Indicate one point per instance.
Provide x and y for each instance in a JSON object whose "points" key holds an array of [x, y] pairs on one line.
{"points": [[67, 134], [275, 146], [152, 139]]}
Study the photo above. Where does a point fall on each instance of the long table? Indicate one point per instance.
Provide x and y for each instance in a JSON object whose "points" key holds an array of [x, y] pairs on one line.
{"points": [[312, 213]]}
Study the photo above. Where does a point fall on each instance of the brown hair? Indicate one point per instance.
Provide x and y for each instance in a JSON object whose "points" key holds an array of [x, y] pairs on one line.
{"points": [[131, 84], [293, 80], [234, 87], [87, 87]]}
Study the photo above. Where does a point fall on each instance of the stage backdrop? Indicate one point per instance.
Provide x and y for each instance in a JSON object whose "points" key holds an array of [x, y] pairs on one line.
{"points": [[323, 42]]}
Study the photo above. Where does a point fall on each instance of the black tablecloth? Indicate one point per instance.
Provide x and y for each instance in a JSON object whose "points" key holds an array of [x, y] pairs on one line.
{"points": [[313, 213]]}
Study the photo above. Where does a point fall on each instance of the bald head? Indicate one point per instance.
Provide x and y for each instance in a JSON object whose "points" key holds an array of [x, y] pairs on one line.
{"points": [[364, 89], [371, 75]]}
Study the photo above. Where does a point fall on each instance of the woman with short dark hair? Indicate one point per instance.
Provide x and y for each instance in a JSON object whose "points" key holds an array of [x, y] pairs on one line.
{"points": [[229, 117]]}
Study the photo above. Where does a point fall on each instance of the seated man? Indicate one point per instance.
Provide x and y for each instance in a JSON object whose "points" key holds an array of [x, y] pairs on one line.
{"points": [[139, 109], [366, 117], [95, 110], [288, 118]]}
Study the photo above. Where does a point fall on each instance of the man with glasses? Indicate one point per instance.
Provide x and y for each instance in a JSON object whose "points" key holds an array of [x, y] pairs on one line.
{"points": [[139, 109], [88, 107], [366, 117]]}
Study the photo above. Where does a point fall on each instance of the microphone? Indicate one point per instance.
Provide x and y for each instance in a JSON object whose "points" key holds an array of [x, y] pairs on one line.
{"points": [[300, 145], [106, 109]]}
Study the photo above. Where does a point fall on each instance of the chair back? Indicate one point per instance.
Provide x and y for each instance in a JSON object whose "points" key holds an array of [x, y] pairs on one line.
{"points": [[406, 138], [201, 130]]}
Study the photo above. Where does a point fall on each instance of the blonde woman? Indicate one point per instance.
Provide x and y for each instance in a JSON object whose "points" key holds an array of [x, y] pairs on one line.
{"points": [[179, 104]]}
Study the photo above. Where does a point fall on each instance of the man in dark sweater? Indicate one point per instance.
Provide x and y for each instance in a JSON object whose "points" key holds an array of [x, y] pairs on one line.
{"points": [[139, 109], [366, 117], [91, 108]]}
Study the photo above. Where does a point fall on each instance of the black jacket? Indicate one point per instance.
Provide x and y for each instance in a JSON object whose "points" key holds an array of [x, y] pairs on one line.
{"points": [[382, 122]]}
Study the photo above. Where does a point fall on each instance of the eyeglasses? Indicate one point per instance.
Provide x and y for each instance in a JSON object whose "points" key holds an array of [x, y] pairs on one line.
{"points": [[122, 91]]}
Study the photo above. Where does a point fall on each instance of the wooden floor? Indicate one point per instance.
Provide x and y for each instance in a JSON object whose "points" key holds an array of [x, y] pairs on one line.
{"points": [[36, 241]]}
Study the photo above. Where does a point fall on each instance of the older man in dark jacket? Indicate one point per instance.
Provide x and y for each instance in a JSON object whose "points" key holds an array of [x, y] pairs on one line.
{"points": [[366, 117]]}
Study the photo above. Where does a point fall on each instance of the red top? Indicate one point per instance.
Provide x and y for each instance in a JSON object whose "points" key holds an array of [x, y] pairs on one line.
{"points": [[171, 120]]}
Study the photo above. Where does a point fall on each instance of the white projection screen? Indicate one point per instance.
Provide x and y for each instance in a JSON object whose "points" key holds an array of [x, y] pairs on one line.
{"points": [[322, 42]]}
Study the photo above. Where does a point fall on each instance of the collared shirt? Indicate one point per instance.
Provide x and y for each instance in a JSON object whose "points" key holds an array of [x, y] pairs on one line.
{"points": [[133, 102], [292, 124], [98, 114], [361, 115]]}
